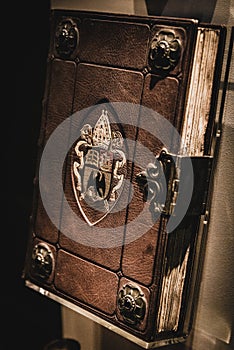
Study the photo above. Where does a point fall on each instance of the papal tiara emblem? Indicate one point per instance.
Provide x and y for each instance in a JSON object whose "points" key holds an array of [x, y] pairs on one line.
{"points": [[98, 169]]}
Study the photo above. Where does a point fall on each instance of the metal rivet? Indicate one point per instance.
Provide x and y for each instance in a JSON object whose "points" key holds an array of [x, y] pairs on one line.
{"points": [[131, 304], [42, 261]]}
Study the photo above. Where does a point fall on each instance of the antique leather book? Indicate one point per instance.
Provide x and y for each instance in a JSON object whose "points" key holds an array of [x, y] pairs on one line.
{"points": [[125, 163]]}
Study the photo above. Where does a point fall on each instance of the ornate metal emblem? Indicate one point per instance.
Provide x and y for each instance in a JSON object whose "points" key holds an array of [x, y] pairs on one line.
{"points": [[98, 169], [131, 304], [159, 183], [42, 261], [66, 38], [165, 51]]}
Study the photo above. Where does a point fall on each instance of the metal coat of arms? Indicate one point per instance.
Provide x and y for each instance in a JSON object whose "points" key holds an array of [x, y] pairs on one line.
{"points": [[98, 169]]}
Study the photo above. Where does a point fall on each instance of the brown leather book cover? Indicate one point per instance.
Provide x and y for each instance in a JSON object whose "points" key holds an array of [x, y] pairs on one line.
{"points": [[124, 163]]}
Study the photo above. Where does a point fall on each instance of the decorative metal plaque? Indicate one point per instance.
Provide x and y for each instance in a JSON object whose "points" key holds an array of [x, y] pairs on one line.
{"points": [[98, 169], [131, 304], [42, 261], [165, 51], [66, 38]]}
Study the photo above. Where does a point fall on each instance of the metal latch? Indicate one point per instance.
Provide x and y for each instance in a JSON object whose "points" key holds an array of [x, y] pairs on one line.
{"points": [[161, 183]]}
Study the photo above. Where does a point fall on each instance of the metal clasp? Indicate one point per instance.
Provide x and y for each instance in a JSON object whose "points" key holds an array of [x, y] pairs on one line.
{"points": [[159, 184]]}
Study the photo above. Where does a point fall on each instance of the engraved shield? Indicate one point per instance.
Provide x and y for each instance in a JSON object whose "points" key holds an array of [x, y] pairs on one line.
{"points": [[98, 169]]}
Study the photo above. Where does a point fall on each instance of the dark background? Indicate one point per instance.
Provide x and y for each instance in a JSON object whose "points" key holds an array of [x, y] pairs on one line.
{"points": [[31, 320]]}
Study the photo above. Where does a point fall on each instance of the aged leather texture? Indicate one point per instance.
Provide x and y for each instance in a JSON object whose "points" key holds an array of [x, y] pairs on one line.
{"points": [[94, 62]]}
